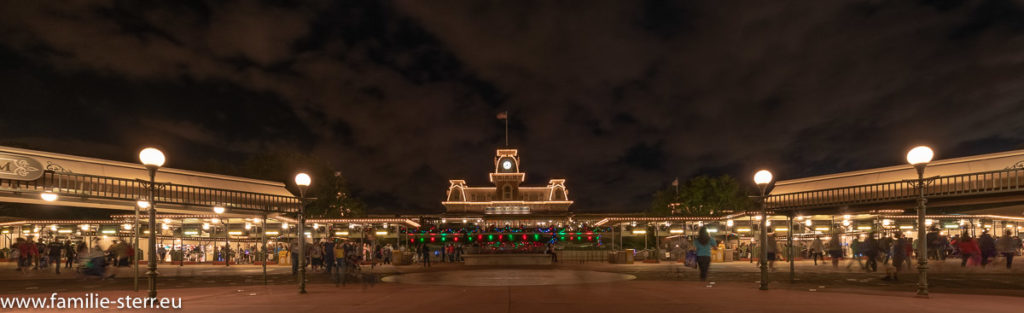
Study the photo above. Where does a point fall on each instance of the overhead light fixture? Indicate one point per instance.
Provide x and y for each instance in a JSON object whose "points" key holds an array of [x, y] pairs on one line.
{"points": [[48, 196]]}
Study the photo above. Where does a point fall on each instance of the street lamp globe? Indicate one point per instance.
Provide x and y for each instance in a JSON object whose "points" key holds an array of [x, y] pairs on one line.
{"points": [[303, 179], [920, 155], [143, 204], [218, 209], [151, 157], [763, 177]]}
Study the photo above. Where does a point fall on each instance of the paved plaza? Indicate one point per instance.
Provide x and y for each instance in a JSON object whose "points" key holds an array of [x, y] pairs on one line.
{"points": [[591, 287], [620, 296]]}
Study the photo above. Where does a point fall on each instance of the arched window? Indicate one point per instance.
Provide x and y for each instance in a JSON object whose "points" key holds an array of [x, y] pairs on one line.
{"points": [[506, 193], [456, 195], [559, 194]]}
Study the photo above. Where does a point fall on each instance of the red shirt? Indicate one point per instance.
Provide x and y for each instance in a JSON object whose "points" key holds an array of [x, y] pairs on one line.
{"points": [[969, 247], [28, 249]]}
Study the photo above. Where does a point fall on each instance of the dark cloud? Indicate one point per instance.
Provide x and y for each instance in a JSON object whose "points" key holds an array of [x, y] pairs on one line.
{"points": [[617, 97]]}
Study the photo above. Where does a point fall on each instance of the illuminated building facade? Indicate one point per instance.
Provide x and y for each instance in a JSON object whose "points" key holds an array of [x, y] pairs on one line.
{"points": [[507, 196]]}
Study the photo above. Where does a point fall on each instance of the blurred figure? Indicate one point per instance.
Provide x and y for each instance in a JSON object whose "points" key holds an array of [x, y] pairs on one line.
{"points": [[870, 250], [816, 250], [704, 243], [968, 249], [987, 244], [856, 248], [899, 254], [773, 249], [55, 248], [1008, 246], [835, 250]]}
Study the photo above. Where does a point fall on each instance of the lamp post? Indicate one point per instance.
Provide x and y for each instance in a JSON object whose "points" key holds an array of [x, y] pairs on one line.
{"points": [[763, 178], [227, 236], [153, 159], [141, 204], [263, 238], [302, 180], [919, 157]]}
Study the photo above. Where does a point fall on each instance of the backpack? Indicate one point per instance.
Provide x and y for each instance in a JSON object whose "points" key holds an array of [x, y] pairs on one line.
{"points": [[691, 259]]}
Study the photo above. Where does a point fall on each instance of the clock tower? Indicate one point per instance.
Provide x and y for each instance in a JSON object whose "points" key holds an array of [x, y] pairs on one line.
{"points": [[506, 176], [507, 196]]}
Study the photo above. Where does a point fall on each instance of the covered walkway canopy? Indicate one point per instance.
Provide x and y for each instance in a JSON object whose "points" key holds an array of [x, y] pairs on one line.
{"points": [[956, 185], [95, 183]]}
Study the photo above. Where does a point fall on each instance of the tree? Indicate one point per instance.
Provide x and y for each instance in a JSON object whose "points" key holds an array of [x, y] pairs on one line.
{"points": [[329, 196], [701, 196]]}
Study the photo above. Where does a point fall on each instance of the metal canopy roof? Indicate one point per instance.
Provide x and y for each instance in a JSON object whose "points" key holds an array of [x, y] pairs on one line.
{"points": [[96, 183]]}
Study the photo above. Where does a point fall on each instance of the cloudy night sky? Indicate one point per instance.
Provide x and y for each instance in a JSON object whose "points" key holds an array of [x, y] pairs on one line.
{"points": [[618, 97]]}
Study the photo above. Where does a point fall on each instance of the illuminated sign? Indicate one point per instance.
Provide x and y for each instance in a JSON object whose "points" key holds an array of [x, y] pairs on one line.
{"points": [[17, 167]]}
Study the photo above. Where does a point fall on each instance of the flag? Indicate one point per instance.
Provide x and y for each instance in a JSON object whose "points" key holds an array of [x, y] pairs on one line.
{"points": [[503, 115], [676, 182]]}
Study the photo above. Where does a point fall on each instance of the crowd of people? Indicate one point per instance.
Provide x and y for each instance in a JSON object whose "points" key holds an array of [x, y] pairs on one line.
{"points": [[893, 252], [329, 255], [31, 255], [75, 256]]}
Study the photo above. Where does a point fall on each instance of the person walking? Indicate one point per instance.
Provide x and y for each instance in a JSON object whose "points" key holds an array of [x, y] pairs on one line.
{"points": [[885, 248], [55, 248], [425, 255], [30, 251], [817, 248], [835, 250], [899, 254], [329, 256], [870, 250], [987, 245], [69, 254], [703, 243], [1008, 246], [773, 248], [293, 250], [968, 249], [18, 253], [856, 249]]}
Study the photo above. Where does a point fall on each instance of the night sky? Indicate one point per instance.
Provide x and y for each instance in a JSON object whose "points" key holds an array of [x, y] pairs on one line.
{"points": [[618, 97]]}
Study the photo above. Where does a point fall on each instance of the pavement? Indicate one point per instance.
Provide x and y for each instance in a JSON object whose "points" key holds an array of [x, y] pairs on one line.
{"points": [[595, 287], [621, 296]]}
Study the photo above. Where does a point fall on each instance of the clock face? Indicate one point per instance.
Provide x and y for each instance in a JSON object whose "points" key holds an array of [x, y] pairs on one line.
{"points": [[507, 165]]}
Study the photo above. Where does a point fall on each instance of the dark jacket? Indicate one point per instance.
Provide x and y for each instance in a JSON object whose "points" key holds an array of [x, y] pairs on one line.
{"points": [[987, 243]]}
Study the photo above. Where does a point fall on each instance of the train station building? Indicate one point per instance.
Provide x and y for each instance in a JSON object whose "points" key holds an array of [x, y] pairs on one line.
{"points": [[970, 194]]}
